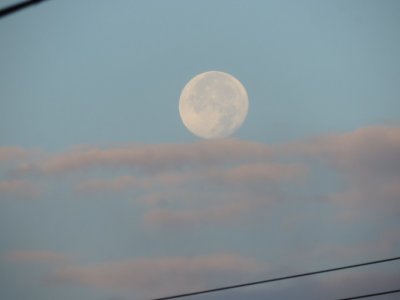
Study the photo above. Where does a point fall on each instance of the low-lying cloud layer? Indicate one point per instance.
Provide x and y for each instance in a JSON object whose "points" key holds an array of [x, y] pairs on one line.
{"points": [[28, 256], [21, 188], [333, 197], [159, 276], [367, 160], [13, 153], [147, 157]]}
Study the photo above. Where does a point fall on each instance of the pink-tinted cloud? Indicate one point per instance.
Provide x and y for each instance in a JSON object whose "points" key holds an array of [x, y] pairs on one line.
{"points": [[128, 182], [337, 285], [226, 207], [215, 208], [164, 196], [374, 148], [359, 280], [12, 153], [150, 156], [19, 188], [24, 256], [263, 172], [368, 160], [382, 244], [368, 199], [165, 218], [160, 276]]}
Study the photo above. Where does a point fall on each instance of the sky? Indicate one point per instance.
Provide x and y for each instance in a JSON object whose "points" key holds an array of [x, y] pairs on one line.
{"points": [[105, 195]]}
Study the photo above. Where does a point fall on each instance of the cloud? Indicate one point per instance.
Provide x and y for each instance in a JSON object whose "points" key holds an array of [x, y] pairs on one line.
{"points": [[330, 286], [368, 199], [383, 244], [159, 276], [19, 188], [146, 157], [24, 256], [372, 149], [176, 199], [165, 218], [227, 182], [184, 208], [165, 276], [261, 172], [12, 153], [122, 183], [367, 159]]}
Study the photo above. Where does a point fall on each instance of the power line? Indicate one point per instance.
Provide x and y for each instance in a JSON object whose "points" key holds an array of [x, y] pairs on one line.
{"points": [[17, 7], [372, 295], [277, 279]]}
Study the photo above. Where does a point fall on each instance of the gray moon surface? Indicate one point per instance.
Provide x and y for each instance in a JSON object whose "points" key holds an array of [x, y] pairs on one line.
{"points": [[213, 105]]}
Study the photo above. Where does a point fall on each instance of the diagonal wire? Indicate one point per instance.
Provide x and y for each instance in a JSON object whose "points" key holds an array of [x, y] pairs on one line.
{"points": [[372, 295], [278, 279], [17, 7]]}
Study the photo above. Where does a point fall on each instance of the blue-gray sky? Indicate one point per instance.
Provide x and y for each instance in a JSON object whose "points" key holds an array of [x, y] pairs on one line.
{"points": [[105, 195]]}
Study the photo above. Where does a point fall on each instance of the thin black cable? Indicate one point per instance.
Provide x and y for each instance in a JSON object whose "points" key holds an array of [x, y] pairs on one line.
{"points": [[277, 279], [17, 7], [372, 295]]}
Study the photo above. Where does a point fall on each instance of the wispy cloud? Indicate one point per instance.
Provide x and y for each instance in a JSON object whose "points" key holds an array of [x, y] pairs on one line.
{"points": [[175, 219], [29, 256], [331, 286], [13, 153], [19, 188], [229, 182], [261, 172], [371, 148], [146, 157], [160, 276], [122, 183], [368, 160]]}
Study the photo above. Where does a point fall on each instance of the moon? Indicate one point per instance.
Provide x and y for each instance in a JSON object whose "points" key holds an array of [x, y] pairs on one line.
{"points": [[213, 105]]}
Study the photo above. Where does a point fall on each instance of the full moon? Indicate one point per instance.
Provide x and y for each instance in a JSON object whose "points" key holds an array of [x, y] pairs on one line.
{"points": [[213, 105]]}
